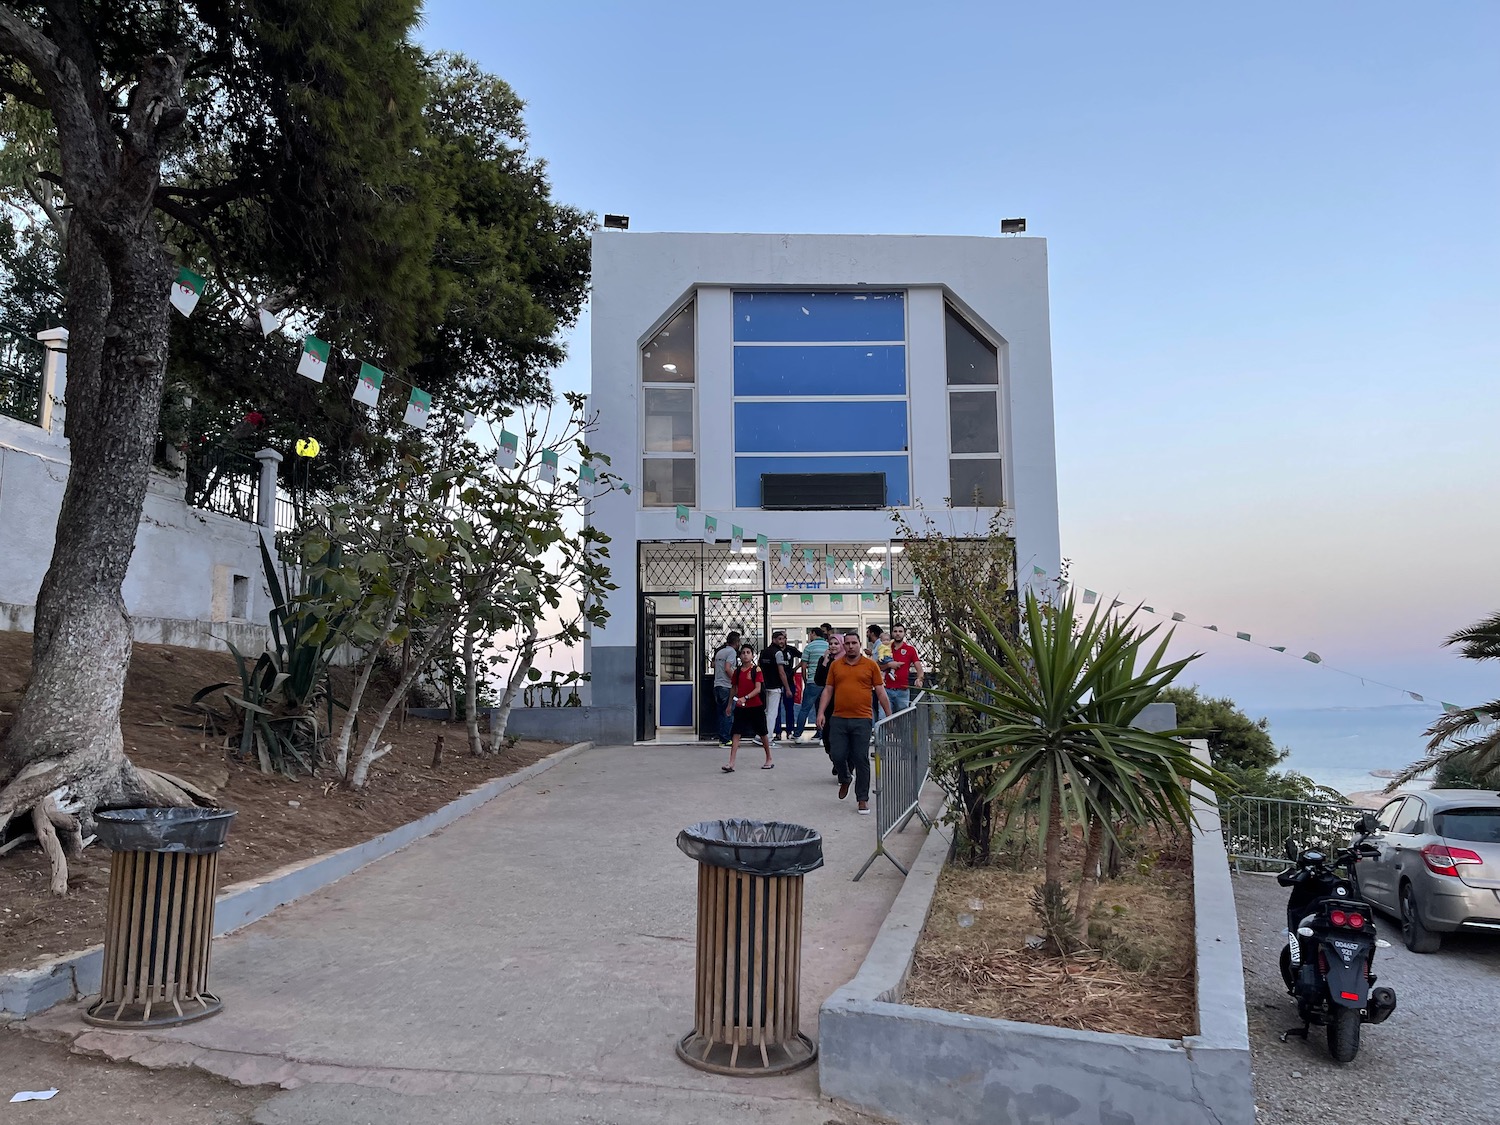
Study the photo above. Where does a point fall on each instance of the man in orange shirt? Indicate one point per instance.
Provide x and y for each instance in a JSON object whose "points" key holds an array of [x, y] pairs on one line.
{"points": [[851, 681]]}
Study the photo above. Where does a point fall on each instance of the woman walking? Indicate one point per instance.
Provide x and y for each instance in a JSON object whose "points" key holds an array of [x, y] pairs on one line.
{"points": [[748, 705]]}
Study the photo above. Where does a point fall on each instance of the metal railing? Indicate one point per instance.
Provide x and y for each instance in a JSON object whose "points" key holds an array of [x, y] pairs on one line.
{"points": [[21, 362], [230, 496], [1256, 828], [902, 760]]}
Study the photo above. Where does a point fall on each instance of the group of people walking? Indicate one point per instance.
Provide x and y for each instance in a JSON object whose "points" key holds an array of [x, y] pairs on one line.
{"points": [[843, 683]]}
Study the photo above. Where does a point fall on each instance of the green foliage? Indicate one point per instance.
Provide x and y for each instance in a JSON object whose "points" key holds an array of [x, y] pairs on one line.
{"points": [[378, 196], [1469, 737], [1057, 704], [1282, 785], [1234, 739], [960, 578], [1456, 773]]}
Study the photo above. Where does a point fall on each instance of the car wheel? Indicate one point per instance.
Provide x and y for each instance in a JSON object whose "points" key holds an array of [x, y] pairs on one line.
{"points": [[1418, 938]]}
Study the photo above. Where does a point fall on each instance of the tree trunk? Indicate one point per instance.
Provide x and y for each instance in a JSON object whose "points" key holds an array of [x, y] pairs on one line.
{"points": [[372, 750], [525, 655], [471, 692], [1052, 856], [66, 737], [1088, 887]]}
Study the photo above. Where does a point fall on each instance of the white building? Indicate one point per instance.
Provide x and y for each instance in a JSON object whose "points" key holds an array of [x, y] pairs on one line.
{"points": [[799, 387]]}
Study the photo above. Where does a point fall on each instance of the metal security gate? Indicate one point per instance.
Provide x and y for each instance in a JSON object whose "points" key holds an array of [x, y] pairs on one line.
{"points": [[902, 761], [1256, 828]]}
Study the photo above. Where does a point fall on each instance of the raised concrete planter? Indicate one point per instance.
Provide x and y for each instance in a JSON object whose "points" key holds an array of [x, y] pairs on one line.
{"points": [[27, 991], [921, 1064]]}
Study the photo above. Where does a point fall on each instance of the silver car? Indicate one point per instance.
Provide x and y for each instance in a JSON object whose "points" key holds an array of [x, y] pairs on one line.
{"points": [[1439, 864]]}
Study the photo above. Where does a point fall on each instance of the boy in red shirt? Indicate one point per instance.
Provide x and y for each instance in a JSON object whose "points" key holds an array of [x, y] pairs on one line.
{"points": [[904, 672], [748, 705]]}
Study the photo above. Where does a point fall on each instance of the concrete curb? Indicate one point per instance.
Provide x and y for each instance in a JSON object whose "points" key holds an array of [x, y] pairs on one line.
{"points": [[921, 1064], [25, 992]]}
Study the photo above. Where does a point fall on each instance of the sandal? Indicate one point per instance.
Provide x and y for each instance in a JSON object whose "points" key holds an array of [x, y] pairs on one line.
{"points": [[726, 769], [769, 766]]}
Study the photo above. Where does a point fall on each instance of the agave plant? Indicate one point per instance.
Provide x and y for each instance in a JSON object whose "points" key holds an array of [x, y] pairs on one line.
{"points": [[1057, 706], [282, 694]]}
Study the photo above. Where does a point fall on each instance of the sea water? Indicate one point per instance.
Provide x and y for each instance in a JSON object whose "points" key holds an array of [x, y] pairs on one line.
{"points": [[1342, 747]]}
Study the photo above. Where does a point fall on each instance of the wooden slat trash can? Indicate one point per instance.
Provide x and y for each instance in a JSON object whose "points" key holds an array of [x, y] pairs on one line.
{"points": [[163, 878], [746, 1012]]}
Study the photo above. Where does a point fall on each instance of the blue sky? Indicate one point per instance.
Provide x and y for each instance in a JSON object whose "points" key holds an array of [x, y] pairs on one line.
{"points": [[1273, 239]]}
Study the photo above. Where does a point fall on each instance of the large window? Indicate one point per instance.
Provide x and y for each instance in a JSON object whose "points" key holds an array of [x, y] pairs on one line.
{"points": [[974, 476], [669, 436], [820, 388]]}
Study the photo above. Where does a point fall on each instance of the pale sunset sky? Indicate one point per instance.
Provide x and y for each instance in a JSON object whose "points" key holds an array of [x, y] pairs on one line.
{"points": [[1273, 240]]}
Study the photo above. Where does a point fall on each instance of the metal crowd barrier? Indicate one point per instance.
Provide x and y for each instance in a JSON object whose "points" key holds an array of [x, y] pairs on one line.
{"points": [[902, 759], [1255, 828]]}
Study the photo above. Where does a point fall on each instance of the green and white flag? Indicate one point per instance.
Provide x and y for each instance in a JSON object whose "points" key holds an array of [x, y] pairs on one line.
{"points": [[367, 390], [868, 599], [314, 361], [1148, 609], [186, 290], [1449, 708], [868, 577], [1414, 695], [682, 517], [1038, 572], [776, 600], [1210, 628], [786, 555], [736, 537], [710, 530], [762, 548], [547, 470], [1278, 648], [885, 577], [828, 568], [807, 561], [836, 601], [1179, 617], [684, 599], [1090, 597], [807, 601], [1312, 658], [747, 597], [418, 407], [1243, 636], [588, 479], [916, 586], [625, 487], [509, 450]]}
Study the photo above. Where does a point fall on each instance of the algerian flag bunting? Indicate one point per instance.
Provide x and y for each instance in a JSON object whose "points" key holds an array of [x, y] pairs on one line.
{"points": [[186, 290], [736, 537], [588, 479], [418, 407], [807, 561], [786, 555], [1243, 636], [547, 470], [807, 601], [469, 417], [1278, 648], [1179, 617], [682, 517], [314, 361], [1417, 697], [836, 601], [1313, 658], [710, 530], [762, 548], [269, 321], [684, 599], [367, 390], [506, 454], [1090, 597], [828, 568]]}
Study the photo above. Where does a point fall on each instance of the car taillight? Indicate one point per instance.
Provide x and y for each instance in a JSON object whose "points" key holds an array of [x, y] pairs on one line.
{"points": [[1442, 860], [1356, 921], [1337, 917]]}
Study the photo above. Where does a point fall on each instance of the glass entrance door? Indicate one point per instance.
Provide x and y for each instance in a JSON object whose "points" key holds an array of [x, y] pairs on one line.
{"points": [[676, 707]]}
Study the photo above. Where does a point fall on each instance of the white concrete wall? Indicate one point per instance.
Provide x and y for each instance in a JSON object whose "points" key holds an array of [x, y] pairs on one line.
{"points": [[1001, 282], [179, 589]]}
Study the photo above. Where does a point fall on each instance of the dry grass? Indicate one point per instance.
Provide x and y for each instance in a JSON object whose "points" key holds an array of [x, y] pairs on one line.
{"points": [[1138, 980]]}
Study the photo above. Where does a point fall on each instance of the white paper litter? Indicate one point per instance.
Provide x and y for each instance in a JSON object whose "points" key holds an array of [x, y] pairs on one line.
{"points": [[34, 1095]]}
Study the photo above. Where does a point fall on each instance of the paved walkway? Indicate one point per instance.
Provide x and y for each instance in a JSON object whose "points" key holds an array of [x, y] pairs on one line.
{"points": [[532, 962]]}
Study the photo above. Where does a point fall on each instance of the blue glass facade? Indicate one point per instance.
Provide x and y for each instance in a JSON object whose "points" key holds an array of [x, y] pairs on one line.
{"points": [[820, 373]]}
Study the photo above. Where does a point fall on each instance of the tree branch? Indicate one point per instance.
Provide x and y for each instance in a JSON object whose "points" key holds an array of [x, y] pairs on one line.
{"points": [[30, 95]]}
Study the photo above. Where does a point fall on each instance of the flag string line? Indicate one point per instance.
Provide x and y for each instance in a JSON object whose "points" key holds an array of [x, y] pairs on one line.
{"points": [[1090, 597]]}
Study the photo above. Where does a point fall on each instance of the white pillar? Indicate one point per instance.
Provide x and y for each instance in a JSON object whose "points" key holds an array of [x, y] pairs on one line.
{"points": [[54, 379], [265, 493]]}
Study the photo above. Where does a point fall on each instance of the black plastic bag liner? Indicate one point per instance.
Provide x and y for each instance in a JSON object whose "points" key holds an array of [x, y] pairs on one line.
{"points": [[758, 847], [193, 831]]}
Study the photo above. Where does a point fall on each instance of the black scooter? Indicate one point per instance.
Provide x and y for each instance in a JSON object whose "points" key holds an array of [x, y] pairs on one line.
{"points": [[1329, 958]]}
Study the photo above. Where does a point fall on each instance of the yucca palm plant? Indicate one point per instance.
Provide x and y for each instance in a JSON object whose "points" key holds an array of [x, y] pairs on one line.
{"points": [[1468, 735], [1058, 704]]}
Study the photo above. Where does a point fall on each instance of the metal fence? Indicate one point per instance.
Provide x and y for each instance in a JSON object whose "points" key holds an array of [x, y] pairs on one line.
{"points": [[21, 362], [902, 759], [1256, 828]]}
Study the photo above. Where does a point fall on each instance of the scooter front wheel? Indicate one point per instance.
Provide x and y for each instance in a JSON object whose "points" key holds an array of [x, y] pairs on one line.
{"points": [[1343, 1034]]}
